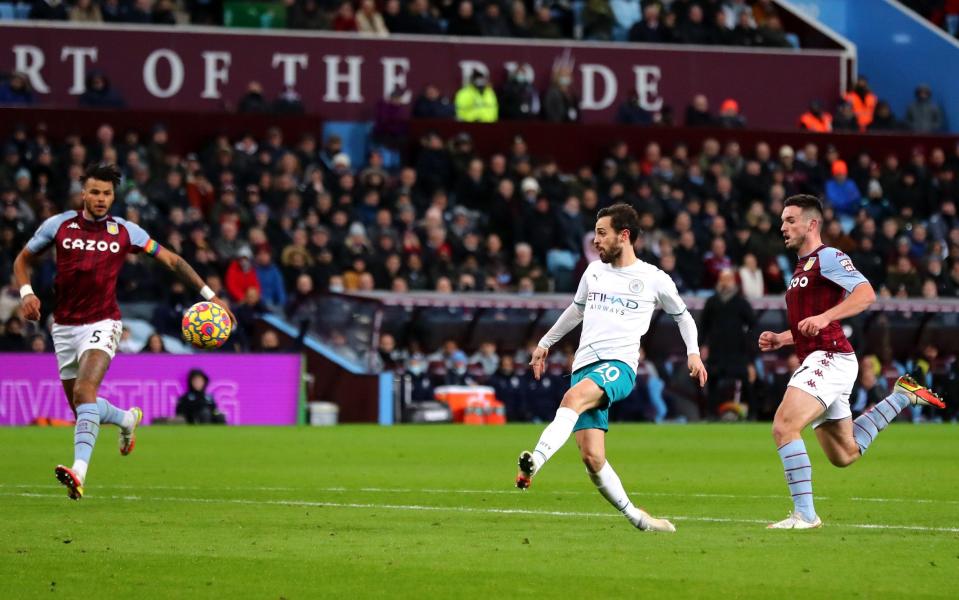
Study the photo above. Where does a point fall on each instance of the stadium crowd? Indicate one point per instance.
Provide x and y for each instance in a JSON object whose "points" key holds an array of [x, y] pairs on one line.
{"points": [[270, 223], [717, 22]]}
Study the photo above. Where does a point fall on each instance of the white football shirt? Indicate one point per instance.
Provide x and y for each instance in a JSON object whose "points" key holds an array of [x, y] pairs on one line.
{"points": [[618, 305]]}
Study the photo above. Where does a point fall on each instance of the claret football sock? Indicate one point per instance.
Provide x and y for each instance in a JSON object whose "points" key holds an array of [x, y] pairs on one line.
{"points": [[554, 436], [799, 477], [871, 423], [85, 437], [112, 414]]}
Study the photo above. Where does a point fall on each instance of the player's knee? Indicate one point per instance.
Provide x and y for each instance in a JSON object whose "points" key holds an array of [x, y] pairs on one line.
{"points": [[594, 459], [844, 458], [84, 393], [783, 432], [574, 399]]}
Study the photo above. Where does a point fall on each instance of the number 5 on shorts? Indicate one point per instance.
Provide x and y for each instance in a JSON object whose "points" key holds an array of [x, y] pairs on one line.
{"points": [[96, 337], [608, 372]]}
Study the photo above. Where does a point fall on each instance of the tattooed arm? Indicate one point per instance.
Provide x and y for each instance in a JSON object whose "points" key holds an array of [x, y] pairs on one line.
{"points": [[186, 273]]}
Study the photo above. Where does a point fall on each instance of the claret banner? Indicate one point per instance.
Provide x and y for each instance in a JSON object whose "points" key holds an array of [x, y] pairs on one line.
{"points": [[341, 76]]}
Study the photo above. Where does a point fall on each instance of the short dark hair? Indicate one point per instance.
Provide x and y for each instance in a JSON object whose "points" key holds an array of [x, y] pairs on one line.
{"points": [[622, 216], [102, 172], [805, 202]]}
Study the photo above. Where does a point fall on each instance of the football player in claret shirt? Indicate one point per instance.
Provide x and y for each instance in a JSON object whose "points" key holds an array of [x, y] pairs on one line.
{"points": [[91, 246], [825, 288]]}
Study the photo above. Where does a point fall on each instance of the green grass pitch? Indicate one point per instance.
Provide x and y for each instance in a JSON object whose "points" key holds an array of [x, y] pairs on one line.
{"points": [[424, 512]]}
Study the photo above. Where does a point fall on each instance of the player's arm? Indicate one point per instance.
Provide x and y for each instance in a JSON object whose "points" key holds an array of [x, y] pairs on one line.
{"points": [[188, 274], [770, 340], [838, 268], [571, 317], [22, 269], [23, 265], [670, 301]]}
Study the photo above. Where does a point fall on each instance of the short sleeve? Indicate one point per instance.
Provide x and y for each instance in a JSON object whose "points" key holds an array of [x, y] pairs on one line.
{"points": [[583, 290], [139, 238], [47, 232], [667, 296], [837, 267]]}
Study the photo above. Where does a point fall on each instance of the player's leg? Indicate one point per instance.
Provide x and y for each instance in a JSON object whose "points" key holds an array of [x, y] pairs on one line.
{"points": [[592, 449], [126, 420], [798, 409], [906, 392], [583, 395], [92, 368], [837, 442]]}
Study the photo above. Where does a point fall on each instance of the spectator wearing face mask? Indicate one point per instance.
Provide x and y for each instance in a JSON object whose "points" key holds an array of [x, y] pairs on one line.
{"points": [[560, 104], [520, 100]]}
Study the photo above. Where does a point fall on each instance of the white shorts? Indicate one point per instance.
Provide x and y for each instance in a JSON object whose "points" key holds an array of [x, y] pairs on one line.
{"points": [[829, 377], [71, 341]]}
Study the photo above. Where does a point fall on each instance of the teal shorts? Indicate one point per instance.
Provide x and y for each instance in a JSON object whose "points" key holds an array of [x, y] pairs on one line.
{"points": [[615, 378]]}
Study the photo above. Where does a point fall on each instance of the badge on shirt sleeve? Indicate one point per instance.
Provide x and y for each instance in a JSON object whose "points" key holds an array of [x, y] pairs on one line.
{"points": [[847, 264], [112, 228], [809, 263], [635, 286]]}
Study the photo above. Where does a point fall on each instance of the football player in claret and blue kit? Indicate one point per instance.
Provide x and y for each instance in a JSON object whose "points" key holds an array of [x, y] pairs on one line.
{"points": [[91, 246], [825, 288]]}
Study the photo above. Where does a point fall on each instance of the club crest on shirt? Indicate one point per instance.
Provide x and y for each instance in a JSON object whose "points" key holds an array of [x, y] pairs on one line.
{"points": [[635, 286], [809, 263], [113, 228]]}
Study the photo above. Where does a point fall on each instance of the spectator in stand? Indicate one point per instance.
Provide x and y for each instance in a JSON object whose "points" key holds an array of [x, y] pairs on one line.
{"points": [[751, 277], [86, 11], [649, 29], [307, 14], [560, 104], [253, 101], [476, 101], [598, 20], [725, 332], [745, 32], [845, 118], [924, 115], [431, 104], [369, 21], [816, 119], [519, 98], [519, 22], [863, 102], [729, 115], [492, 23], [345, 18], [694, 29], [631, 113], [772, 34], [697, 113], [99, 93], [543, 26], [241, 276], [270, 278], [841, 192], [465, 22], [48, 10], [16, 91], [419, 19], [883, 119]]}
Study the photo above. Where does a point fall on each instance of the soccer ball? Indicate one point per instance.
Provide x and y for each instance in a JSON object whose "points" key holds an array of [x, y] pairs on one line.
{"points": [[206, 325]]}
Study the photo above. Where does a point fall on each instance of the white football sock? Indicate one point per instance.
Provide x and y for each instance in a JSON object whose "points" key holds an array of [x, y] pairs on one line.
{"points": [[610, 486], [554, 436]]}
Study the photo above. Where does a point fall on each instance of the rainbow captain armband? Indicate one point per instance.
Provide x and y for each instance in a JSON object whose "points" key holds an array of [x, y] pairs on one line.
{"points": [[152, 248]]}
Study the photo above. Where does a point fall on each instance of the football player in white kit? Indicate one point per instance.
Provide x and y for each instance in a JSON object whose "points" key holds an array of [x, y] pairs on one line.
{"points": [[615, 301]]}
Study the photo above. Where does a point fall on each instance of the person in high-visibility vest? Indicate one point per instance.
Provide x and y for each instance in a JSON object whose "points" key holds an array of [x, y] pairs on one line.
{"points": [[863, 102], [816, 119], [476, 101]]}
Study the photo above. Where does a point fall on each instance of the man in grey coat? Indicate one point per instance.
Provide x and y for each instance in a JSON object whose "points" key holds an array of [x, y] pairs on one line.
{"points": [[924, 115]]}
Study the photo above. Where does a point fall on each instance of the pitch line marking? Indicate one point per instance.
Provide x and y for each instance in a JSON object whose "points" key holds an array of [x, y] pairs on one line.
{"points": [[380, 490], [463, 509]]}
